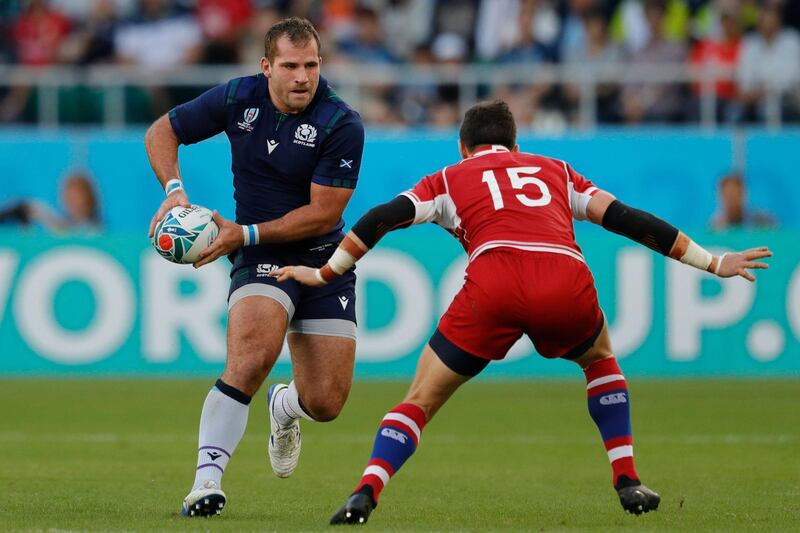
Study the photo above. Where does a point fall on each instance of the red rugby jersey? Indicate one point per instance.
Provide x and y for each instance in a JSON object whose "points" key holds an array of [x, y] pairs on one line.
{"points": [[499, 198]]}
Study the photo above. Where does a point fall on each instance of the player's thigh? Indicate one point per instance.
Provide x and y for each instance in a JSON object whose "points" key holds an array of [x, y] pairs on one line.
{"points": [[322, 366], [322, 340], [600, 349], [256, 329], [434, 383]]}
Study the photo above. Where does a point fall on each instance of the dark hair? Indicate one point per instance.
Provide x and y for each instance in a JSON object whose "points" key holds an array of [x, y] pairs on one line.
{"points": [[488, 123], [298, 30]]}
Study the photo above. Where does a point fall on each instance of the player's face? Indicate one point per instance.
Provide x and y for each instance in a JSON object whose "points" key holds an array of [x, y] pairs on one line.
{"points": [[293, 75]]}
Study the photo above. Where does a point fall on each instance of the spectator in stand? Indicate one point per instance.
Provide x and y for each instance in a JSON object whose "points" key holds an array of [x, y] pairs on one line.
{"points": [[769, 62], [495, 32], [449, 50], [597, 53], [223, 22], [158, 39], [80, 208], [720, 53], [538, 31], [251, 45], [367, 44], [733, 211], [36, 37], [405, 24], [93, 39], [574, 27], [456, 17], [647, 101]]}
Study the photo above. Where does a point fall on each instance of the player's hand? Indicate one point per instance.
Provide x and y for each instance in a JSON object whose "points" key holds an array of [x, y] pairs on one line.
{"points": [[178, 198], [740, 263], [301, 274], [229, 238]]}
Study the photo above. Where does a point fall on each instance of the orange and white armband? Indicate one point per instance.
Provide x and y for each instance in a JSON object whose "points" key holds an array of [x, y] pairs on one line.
{"points": [[350, 250], [690, 253]]}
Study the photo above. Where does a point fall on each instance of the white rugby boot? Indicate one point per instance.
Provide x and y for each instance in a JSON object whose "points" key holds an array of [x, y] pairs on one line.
{"points": [[206, 501], [284, 441]]}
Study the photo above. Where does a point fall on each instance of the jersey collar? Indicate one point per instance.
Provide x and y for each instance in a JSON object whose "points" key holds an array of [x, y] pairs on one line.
{"points": [[495, 148]]}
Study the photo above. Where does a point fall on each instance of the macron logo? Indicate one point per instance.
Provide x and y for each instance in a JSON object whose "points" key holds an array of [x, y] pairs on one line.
{"points": [[612, 399], [344, 301], [271, 145]]}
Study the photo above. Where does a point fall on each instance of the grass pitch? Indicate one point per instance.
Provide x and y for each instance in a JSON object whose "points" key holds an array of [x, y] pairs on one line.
{"points": [[119, 456]]}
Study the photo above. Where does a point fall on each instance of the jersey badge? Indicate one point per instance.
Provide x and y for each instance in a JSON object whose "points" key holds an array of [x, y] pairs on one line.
{"points": [[305, 135], [346, 163], [250, 116], [271, 145]]}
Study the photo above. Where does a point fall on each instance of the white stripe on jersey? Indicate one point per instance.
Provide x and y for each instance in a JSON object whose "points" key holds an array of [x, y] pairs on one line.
{"points": [[529, 247]]}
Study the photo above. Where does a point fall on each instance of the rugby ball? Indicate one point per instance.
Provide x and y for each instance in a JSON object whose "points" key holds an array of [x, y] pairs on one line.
{"points": [[183, 233]]}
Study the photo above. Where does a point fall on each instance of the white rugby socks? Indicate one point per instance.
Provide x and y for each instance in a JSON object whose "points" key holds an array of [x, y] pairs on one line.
{"points": [[222, 425], [287, 406]]}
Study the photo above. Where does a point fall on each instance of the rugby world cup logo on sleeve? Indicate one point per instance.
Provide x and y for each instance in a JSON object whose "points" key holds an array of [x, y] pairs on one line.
{"points": [[305, 135], [250, 116]]}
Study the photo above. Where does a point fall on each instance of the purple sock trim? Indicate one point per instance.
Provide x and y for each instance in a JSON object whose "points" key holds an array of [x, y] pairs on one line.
{"points": [[214, 448], [211, 464]]}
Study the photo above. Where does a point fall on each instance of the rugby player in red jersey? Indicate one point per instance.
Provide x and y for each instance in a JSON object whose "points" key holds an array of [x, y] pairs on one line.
{"points": [[513, 213]]}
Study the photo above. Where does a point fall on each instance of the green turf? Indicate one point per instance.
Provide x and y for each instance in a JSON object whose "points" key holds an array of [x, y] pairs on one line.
{"points": [[119, 456]]}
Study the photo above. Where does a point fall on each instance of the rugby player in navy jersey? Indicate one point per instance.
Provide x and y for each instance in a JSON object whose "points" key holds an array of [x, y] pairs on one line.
{"points": [[296, 151]]}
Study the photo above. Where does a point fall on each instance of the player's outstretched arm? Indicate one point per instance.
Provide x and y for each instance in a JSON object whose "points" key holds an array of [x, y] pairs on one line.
{"points": [[370, 228], [161, 144], [605, 210]]}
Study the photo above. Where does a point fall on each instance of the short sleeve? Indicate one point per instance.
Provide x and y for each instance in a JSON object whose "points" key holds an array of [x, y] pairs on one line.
{"points": [[431, 201], [340, 160], [580, 190], [201, 118]]}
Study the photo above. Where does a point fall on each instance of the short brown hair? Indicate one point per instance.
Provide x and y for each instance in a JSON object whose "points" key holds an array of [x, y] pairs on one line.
{"points": [[297, 29], [488, 123]]}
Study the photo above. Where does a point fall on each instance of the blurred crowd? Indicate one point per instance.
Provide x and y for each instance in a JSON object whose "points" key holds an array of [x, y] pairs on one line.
{"points": [[756, 40]]}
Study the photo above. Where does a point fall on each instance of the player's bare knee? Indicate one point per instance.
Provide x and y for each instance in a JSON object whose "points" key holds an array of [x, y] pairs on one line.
{"points": [[323, 409]]}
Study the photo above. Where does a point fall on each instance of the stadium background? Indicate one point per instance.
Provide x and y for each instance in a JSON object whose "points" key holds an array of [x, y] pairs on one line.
{"points": [[658, 101]]}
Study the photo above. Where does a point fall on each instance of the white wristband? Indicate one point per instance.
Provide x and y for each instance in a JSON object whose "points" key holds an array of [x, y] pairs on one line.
{"points": [[697, 256], [319, 276], [250, 234], [341, 261], [173, 185], [719, 263]]}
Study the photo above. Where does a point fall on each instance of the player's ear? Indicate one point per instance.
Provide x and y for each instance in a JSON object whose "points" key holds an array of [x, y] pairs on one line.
{"points": [[265, 67], [516, 148], [462, 150]]}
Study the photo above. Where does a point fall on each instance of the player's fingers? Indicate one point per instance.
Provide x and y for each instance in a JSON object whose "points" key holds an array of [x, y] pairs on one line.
{"points": [[286, 276], [746, 275], [153, 222], [757, 253], [207, 259], [755, 264], [277, 273], [217, 218]]}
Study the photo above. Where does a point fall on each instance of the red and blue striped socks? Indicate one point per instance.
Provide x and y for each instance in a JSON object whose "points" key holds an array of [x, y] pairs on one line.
{"points": [[397, 439], [609, 407]]}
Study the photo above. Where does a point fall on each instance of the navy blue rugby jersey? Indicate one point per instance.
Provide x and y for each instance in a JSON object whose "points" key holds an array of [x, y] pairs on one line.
{"points": [[276, 156]]}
